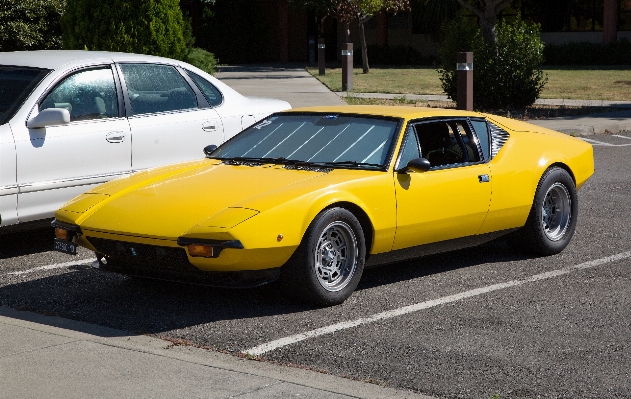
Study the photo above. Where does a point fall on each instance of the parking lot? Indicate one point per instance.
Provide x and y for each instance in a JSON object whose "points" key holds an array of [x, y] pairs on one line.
{"points": [[468, 324]]}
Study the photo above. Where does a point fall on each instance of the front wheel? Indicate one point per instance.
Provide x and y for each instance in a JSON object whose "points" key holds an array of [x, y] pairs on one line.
{"points": [[552, 219], [328, 263]]}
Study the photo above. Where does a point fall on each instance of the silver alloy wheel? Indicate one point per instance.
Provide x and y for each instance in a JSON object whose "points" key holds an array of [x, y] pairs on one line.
{"points": [[336, 256], [556, 211]]}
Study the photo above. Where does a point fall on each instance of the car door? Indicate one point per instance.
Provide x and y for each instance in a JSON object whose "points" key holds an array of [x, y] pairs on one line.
{"points": [[451, 199], [170, 119], [57, 163]]}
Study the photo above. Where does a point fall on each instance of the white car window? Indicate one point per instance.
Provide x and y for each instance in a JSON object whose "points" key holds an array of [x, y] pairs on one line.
{"points": [[157, 88], [86, 95], [212, 94]]}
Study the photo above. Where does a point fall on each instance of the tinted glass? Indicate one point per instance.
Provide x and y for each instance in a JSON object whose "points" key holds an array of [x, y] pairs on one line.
{"points": [[157, 88], [447, 143], [410, 148], [86, 95], [316, 138], [212, 94], [482, 132], [17, 84]]}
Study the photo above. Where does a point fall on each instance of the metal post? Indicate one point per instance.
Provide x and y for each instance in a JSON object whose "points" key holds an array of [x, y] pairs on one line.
{"points": [[312, 50], [347, 66], [464, 81], [321, 55]]}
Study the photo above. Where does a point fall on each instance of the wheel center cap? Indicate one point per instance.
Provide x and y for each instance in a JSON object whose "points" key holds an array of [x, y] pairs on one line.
{"points": [[330, 255]]}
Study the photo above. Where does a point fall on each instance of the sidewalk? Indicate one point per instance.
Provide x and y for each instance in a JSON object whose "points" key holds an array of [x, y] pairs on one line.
{"points": [[50, 357], [294, 84]]}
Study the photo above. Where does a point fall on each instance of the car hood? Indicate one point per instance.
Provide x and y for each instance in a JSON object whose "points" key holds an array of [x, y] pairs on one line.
{"points": [[169, 206]]}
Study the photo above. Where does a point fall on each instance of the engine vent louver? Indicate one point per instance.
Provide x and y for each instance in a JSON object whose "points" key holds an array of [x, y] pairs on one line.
{"points": [[499, 137]]}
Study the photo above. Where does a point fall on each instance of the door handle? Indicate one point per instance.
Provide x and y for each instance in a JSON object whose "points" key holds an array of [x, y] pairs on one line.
{"points": [[115, 137], [484, 178], [209, 126]]}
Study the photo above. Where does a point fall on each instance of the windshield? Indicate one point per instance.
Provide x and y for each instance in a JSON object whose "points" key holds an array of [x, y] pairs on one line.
{"points": [[17, 84], [330, 139]]}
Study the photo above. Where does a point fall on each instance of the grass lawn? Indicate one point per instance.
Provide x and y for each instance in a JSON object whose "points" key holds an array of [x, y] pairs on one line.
{"points": [[576, 83]]}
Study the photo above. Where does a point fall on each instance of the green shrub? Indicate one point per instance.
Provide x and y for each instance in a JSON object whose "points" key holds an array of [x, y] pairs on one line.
{"points": [[134, 26], [202, 59], [30, 24], [617, 53], [506, 74]]}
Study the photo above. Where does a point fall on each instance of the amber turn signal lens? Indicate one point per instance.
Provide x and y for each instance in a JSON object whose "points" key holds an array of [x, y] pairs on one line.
{"points": [[62, 234], [200, 251]]}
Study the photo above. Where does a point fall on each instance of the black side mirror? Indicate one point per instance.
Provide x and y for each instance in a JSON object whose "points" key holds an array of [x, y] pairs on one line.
{"points": [[416, 165], [209, 149]]}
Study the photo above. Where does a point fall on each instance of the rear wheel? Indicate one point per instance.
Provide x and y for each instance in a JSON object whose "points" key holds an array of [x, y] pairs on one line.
{"points": [[328, 264], [552, 219]]}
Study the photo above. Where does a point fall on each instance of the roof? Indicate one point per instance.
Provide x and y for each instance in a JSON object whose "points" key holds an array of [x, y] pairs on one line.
{"points": [[53, 59], [387, 110]]}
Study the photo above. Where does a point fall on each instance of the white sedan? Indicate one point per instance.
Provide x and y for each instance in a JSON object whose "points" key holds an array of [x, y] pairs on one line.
{"points": [[72, 119]]}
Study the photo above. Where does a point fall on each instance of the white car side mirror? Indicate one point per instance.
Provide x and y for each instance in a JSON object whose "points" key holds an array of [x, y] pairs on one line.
{"points": [[49, 117]]}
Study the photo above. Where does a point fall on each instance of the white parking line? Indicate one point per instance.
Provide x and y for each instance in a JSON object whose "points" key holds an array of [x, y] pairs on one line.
{"points": [[50, 267], [622, 137], [596, 142], [279, 343]]}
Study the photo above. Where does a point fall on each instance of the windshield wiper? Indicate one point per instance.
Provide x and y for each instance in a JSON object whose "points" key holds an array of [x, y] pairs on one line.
{"points": [[352, 163]]}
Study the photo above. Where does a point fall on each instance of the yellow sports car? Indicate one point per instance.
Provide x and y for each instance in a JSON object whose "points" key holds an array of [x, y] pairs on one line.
{"points": [[312, 196]]}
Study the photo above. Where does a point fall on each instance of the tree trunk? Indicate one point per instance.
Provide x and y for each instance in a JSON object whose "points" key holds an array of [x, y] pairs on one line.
{"points": [[487, 26], [362, 38]]}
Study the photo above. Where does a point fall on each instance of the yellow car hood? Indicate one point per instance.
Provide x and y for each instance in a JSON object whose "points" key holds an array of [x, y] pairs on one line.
{"points": [[170, 206]]}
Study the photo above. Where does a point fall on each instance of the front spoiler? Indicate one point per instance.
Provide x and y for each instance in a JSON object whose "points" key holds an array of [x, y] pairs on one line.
{"points": [[189, 275]]}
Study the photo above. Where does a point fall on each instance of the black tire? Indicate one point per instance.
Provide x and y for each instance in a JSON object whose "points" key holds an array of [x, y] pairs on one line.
{"points": [[328, 263], [552, 219]]}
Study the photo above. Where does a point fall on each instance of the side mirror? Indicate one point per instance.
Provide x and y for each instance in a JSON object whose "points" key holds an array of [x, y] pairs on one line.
{"points": [[49, 117], [209, 149], [416, 165]]}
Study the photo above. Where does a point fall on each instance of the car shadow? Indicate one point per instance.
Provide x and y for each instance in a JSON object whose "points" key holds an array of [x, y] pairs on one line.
{"points": [[139, 306], [26, 242]]}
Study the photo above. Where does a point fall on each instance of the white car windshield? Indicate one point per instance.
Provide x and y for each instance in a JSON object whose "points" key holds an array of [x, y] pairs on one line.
{"points": [[17, 84], [330, 139]]}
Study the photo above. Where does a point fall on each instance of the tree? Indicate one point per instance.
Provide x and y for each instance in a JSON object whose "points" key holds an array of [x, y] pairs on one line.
{"points": [[487, 12], [361, 11], [349, 11], [30, 24], [135, 26]]}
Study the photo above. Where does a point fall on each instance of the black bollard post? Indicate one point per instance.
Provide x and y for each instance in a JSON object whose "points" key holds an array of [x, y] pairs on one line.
{"points": [[321, 56], [347, 66], [464, 81]]}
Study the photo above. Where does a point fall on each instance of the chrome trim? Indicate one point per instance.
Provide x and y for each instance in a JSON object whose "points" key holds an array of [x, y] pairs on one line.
{"points": [[498, 139], [10, 189], [75, 181]]}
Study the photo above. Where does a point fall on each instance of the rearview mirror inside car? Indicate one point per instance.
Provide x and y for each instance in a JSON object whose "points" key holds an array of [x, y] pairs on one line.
{"points": [[209, 149]]}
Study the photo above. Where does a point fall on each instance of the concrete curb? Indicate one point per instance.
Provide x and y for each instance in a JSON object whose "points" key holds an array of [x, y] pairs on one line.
{"points": [[239, 376]]}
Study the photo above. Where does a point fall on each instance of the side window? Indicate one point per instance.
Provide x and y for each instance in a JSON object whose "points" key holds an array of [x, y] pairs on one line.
{"points": [[157, 88], [447, 143], [409, 149], [482, 132], [86, 95], [467, 140], [212, 94]]}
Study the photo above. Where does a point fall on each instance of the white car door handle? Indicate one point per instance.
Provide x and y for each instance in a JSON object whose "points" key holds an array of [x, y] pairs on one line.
{"points": [[209, 126], [115, 137]]}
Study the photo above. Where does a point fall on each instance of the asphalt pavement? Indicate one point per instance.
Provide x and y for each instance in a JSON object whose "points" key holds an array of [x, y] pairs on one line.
{"points": [[49, 356]]}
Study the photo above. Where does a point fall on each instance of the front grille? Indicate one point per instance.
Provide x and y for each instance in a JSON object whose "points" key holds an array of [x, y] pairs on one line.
{"points": [[141, 254], [169, 263]]}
